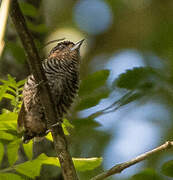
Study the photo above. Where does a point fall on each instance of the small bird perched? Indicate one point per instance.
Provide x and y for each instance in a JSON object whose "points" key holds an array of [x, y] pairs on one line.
{"points": [[62, 72]]}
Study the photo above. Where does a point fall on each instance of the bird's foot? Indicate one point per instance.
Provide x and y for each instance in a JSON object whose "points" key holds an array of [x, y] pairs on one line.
{"points": [[56, 124], [52, 126], [40, 83]]}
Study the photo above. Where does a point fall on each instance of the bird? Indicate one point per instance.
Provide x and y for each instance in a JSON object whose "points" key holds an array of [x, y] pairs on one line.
{"points": [[61, 68]]}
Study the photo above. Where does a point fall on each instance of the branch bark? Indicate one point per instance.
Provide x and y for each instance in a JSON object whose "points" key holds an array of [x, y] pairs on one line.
{"points": [[34, 61], [120, 167]]}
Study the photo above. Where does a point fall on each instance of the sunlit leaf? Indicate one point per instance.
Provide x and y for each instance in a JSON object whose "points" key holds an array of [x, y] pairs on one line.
{"points": [[21, 83], [10, 176], [12, 151], [3, 90], [7, 136], [81, 164], [86, 164], [28, 148], [66, 125], [30, 168], [167, 168], [49, 136], [93, 81], [8, 125], [11, 81], [9, 116], [9, 96], [12, 90], [1, 152]]}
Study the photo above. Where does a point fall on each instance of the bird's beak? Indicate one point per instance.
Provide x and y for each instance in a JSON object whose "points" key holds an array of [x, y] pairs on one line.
{"points": [[77, 45]]}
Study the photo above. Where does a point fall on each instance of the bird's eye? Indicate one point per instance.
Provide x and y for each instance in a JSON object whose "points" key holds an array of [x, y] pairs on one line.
{"points": [[61, 47]]}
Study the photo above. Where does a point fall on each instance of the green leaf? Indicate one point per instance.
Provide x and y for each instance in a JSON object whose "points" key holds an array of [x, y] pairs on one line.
{"points": [[30, 168], [50, 160], [7, 136], [134, 78], [8, 125], [40, 28], [167, 168], [10, 176], [28, 9], [12, 90], [91, 101], [3, 91], [85, 122], [148, 174], [21, 83], [49, 136], [9, 116], [9, 96], [86, 164], [93, 81], [66, 125], [1, 152], [8, 120], [12, 151], [28, 148], [81, 164], [11, 81], [130, 97], [16, 51]]}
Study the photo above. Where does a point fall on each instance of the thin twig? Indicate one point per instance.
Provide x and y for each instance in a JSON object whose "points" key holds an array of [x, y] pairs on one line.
{"points": [[120, 167], [3, 21], [47, 102]]}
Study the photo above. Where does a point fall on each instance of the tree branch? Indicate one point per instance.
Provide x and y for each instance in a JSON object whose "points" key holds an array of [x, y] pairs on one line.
{"points": [[120, 167], [36, 69], [3, 21]]}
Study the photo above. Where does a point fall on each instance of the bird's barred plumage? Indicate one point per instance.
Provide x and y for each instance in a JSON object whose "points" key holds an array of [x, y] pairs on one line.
{"points": [[62, 72]]}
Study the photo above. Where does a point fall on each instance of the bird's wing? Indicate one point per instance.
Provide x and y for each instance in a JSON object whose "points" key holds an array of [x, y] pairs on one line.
{"points": [[21, 118]]}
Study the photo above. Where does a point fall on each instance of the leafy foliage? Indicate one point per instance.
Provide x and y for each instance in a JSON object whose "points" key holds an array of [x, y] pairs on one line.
{"points": [[167, 168], [10, 89], [92, 82], [32, 168], [139, 82], [2, 151], [140, 77], [92, 90], [92, 100], [28, 9], [28, 148], [12, 151], [147, 174], [7, 176], [29, 168], [135, 84], [8, 120]]}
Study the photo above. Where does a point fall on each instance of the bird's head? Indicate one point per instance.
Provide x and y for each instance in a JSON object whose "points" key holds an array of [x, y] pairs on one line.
{"points": [[66, 50]]}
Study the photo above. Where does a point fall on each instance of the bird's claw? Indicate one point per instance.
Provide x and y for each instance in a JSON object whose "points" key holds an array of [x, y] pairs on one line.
{"points": [[41, 83], [52, 126]]}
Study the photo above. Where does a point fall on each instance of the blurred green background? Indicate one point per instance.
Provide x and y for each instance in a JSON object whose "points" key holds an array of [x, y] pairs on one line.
{"points": [[119, 35]]}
